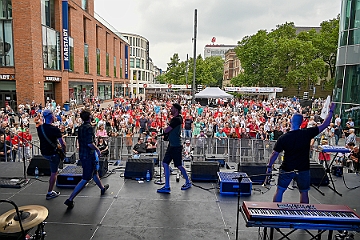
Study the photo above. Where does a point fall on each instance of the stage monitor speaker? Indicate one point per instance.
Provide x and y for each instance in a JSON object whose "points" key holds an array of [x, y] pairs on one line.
{"points": [[70, 158], [318, 173], [69, 177], [254, 169], [205, 171], [137, 168], [41, 163]]}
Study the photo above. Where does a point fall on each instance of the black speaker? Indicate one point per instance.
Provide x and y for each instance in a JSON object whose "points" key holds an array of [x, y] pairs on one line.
{"points": [[137, 168], [216, 157], [70, 158], [204, 171], [252, 169], [41, 163], [317, 173], [103, 166]]}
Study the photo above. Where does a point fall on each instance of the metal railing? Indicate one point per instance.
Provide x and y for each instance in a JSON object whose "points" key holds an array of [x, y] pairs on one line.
{"points": [[243, 151], [233, 150], [18, 153]]}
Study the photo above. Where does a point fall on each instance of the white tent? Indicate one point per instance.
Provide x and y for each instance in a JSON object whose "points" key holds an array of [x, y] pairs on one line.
{"points": [[213, 92]]}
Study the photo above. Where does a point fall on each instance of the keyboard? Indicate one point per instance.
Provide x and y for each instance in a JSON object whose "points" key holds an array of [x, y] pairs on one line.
{"points": [[337, 149], [300, 213]]}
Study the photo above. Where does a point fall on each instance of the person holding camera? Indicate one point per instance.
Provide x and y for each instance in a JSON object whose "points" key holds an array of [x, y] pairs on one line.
{"points": [[140, 147], [354, 156]]}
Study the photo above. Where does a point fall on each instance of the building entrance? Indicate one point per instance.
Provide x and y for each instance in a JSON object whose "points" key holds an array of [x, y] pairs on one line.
{"points": [[49, 91], [8, 94], [8, 98]]}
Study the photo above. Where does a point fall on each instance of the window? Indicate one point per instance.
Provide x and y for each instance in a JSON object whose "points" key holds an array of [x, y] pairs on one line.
{"points": [[343, 38], [84, 29], [131, 62], [107, 64], [137, 63], [6, 44], [48, 13], [71, 45], [114, 66], [98, 71], [6, 34], [84, 4], [86, 58], [5, 9], [51, 48], [354, 37]]}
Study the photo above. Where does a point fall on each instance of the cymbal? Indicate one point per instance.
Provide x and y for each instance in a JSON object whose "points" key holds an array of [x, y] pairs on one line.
{"points": [[31, 216]]}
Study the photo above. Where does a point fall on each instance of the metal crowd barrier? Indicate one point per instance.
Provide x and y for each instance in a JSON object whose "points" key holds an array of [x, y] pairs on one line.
{"points": [[29, 152], [234, 150]]}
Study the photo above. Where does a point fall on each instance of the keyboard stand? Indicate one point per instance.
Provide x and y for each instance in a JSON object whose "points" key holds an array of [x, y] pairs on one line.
{"points": [[270, 236], [328, 172]]}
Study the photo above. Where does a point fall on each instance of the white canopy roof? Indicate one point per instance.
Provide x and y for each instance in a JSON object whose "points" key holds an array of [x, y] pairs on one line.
{"points": [[213, 92]]}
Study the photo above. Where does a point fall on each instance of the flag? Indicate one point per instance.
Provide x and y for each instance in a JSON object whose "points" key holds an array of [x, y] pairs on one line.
{"points": [[325, 109]]}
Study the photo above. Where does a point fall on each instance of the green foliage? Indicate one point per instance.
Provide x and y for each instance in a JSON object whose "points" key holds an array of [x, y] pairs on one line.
{"points": [[283, 58], [278, 58], [209, 71]]}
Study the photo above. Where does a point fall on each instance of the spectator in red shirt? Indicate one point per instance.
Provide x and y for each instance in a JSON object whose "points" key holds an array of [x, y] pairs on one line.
{"points": [[14, 145], [227, 129], [253, 128]]}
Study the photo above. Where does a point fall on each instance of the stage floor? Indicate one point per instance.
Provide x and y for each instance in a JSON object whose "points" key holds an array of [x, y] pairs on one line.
{"points": [[131, 210]]}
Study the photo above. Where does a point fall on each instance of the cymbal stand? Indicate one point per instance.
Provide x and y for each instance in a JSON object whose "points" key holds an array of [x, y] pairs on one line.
{"points": [[18, 215]]}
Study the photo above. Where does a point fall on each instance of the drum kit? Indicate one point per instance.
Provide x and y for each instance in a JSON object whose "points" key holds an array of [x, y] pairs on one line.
{"points": [[17, 223]]}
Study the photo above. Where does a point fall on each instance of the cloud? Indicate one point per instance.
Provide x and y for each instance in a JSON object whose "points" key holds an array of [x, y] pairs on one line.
{"points": [[169, 24]]}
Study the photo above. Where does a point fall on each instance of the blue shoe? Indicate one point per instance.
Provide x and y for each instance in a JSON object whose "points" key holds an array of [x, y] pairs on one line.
{"points": [[186, 186], [164, 190]]}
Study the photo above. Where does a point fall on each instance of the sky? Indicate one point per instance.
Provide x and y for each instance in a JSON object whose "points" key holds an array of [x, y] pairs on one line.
{"points": [[169, 24]]}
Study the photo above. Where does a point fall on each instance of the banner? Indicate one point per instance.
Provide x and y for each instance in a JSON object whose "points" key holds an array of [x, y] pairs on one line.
{"points": [[65, 33], [126, 62]]}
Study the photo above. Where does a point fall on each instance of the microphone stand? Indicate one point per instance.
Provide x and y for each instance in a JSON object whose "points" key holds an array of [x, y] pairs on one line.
{"points": [[159, 181], [23, 147], [240, 178]]}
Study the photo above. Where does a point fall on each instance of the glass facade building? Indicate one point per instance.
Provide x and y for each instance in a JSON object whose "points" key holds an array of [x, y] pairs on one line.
{"points": [[347, 82]]}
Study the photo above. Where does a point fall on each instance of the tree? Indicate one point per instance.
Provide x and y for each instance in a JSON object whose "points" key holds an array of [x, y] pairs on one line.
{"points": [[283, 58], [255, 54], [209, 71], [327, 43]]}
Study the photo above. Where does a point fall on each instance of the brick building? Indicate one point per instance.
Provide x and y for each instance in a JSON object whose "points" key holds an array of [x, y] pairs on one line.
{"points": [[43, 56], [232, 67]]}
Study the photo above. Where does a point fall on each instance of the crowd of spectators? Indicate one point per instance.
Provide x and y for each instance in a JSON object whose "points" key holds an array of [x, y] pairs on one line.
{"points": [[245, 118]]}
